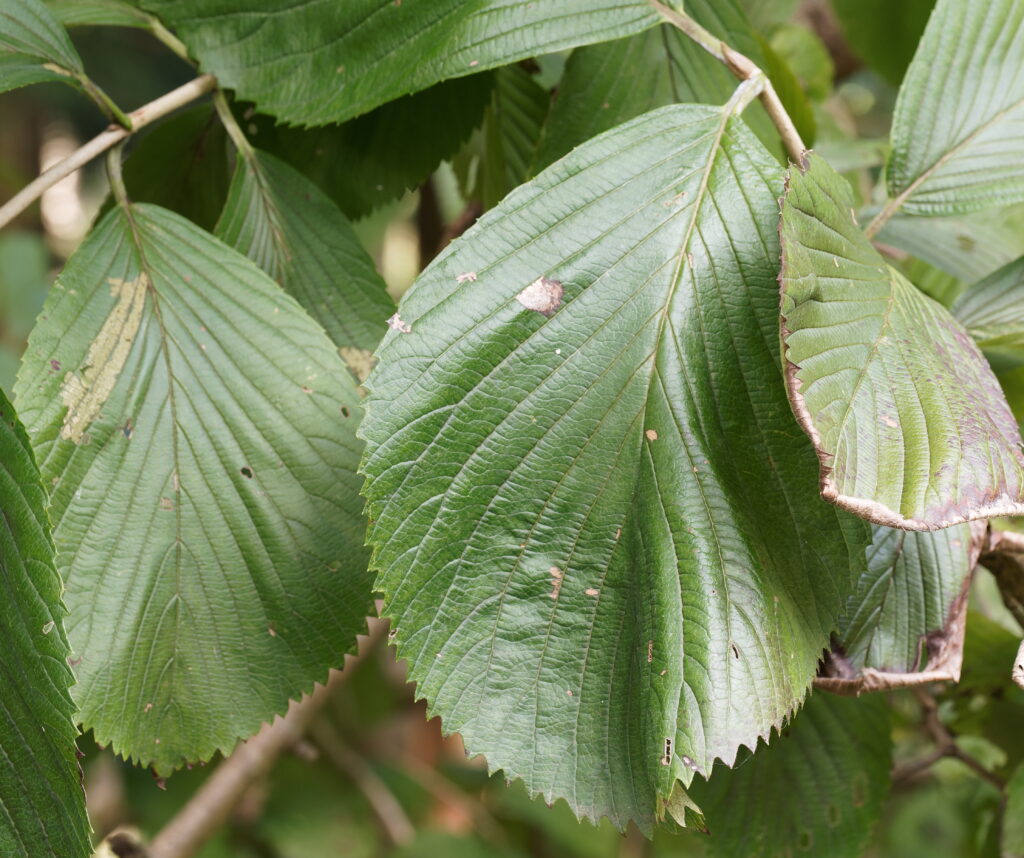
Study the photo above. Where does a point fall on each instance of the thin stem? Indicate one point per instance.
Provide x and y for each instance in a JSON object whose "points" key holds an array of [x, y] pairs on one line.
{"points": [[140, 118], [745, 69], [114, 174], [172, 42], [231, 125], [104, 102]]}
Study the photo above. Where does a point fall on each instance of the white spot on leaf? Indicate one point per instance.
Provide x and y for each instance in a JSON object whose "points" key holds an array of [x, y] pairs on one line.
{"points": [[396, 324], [543, 295]]}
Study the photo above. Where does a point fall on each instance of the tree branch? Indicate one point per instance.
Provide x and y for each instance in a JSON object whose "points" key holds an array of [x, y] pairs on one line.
{"points": [[140, 118], [745, 69]]}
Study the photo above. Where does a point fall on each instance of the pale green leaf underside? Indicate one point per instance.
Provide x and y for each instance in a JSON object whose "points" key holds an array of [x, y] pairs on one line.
{"points": [[911, 587], [42, 804], [606, 84], [569, 516], [993, 313], [958, 129], [817, 789], [324, 61], [189, 417], [288, 226], [909, 422]]}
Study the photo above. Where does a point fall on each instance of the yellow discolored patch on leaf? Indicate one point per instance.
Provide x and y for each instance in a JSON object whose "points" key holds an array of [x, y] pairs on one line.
{"points": [[84, 392], [360, 361]]}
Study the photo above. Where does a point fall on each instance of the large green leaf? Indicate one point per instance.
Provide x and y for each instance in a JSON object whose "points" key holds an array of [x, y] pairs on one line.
{"points": [[500, 156], [571, 434], [101, 13], [1012, 842], [909, 422], [905, 622], [34, 48], [606, 84], [817, 789], [958, 130], [42, 804], [993, 313], [882, 33], [285, 224], [321, 61], [196, 427], [375, 158]]}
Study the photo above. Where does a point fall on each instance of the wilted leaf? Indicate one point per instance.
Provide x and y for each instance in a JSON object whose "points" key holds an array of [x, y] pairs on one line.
{"points": [[817, 789], [196, 428], [909, 422], [320, 62], [568, 500], [42, 804], [958, 129]]}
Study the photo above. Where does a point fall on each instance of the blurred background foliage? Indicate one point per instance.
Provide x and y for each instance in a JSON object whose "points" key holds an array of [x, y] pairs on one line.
{"points": [[377, 778]]}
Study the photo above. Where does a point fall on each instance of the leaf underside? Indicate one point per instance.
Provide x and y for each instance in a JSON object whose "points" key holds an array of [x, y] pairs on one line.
{"points": [[188, 416], [817, 789], [42, 804], [571, 436], [993, 313], [958, 127], [910, 424], [321, 61]]}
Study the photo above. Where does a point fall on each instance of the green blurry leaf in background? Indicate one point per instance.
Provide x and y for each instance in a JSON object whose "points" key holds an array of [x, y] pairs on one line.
{"points": [[1012, 845], [575, 560], [42, 804], [884, 34], [316, 63], [881, 376], [24, 277], [191, 421], [958, 128], [817, 788], [993, 313]]}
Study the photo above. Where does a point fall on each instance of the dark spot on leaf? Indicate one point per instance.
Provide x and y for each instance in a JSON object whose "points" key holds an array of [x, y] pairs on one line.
{"points": [[834, 816], [345, 412], [55, 365], [806, 841], [247, 472], [735, 652]]}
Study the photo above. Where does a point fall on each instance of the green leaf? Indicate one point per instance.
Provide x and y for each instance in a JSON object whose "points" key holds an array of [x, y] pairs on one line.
{"points": [[500, 156], [571, 432], [182, 165], [807, 57], [196, 427], [34, 48], [97, 13], [766, 14], [42, 804], [375, 158], [882, 33], [607, 84], [969, 247], [1012, 844], [909, 600], [910, 424], [958, 129], [817, 789], [320, 62], [993, 313], [283, 223]]}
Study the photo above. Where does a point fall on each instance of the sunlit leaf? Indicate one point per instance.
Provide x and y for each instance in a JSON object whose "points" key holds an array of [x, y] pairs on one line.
{"points": [[909, 422], [571, 434], [195, 427]]}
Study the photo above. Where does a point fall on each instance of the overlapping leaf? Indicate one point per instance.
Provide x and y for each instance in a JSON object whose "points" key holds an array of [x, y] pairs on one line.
{"points": [[285, 224], [196, 428], [817, 789], [909, 422], [97, 13], [993, 312], [320, 62], [42, 804], [958, 129], [34, 48], [572, 434]]}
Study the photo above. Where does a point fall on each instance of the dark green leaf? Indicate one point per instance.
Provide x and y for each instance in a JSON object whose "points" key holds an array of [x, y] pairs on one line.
{"points": [[882, 33], [817, 789], [283, 223], [375, 158], [958, 129], [182, 165], [319, 62], [196, 427], [1013, 817], [34, 48], [910, 424], [17, 70], [42, 804], [993, 313], [571, 434], [97, 13]]}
